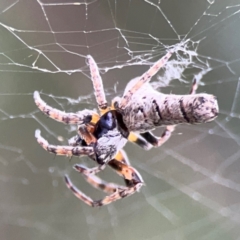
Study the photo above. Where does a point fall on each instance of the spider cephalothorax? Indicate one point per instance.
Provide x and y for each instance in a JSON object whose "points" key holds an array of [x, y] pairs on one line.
{"points": [[102, 137], [111, 135]]}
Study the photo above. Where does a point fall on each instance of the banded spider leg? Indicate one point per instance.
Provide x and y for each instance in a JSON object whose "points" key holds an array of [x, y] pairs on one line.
{"points": [[120, 164]]}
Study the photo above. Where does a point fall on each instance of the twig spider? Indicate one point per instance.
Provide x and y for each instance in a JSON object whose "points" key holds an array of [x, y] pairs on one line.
{"points": [[131, 117]]}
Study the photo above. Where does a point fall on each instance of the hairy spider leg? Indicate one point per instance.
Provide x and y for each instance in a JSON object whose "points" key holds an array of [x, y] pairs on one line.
{"points": [[97, 85], [130, 175], [86, 135], [139, 140], [120, 158], [194, 86], [159, 141], [132, 178], [118, 194], [146, 77], [82, 117], [121, 165], [98, 183], [63, 150]]}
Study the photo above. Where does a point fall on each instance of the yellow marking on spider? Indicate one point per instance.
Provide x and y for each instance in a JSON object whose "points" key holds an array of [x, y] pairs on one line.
{"points": [[95, 118]]}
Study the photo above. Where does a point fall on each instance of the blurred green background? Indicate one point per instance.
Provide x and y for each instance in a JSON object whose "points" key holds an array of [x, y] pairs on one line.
{"points": [[192, 183]]}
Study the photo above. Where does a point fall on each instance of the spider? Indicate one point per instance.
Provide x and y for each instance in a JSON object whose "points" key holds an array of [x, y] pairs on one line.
{"points": [[131, 117]]}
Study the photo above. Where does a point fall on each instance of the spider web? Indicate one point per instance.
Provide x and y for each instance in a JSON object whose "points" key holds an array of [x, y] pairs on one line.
{"points": [[192, 182]]}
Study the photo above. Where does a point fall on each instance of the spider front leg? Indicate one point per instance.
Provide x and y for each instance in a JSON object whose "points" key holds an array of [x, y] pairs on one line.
{"points": [[82, 117], [97, 85], [64, 150], [159, 141]]}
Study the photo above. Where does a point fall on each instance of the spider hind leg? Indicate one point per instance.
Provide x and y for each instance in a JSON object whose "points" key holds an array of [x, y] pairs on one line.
{"points": [[120, 164], [118, 192], [139, 140], [159, 141]]}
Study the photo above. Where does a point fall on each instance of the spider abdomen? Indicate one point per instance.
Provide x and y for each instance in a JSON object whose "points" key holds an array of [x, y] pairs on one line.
{"points": [[146, 112]]}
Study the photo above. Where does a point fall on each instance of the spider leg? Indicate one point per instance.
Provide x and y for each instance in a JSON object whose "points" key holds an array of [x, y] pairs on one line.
{"points": [[96, 181], [121, 165], [122, 169], [86, 135], [119, 193], [131, 176], [159, 141], [156, 141], [100, 184], [81, 117], [194, 86], [146, 77], [97, 85], [139, 140], [89, 171], [64, 150], [122, 157]]}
